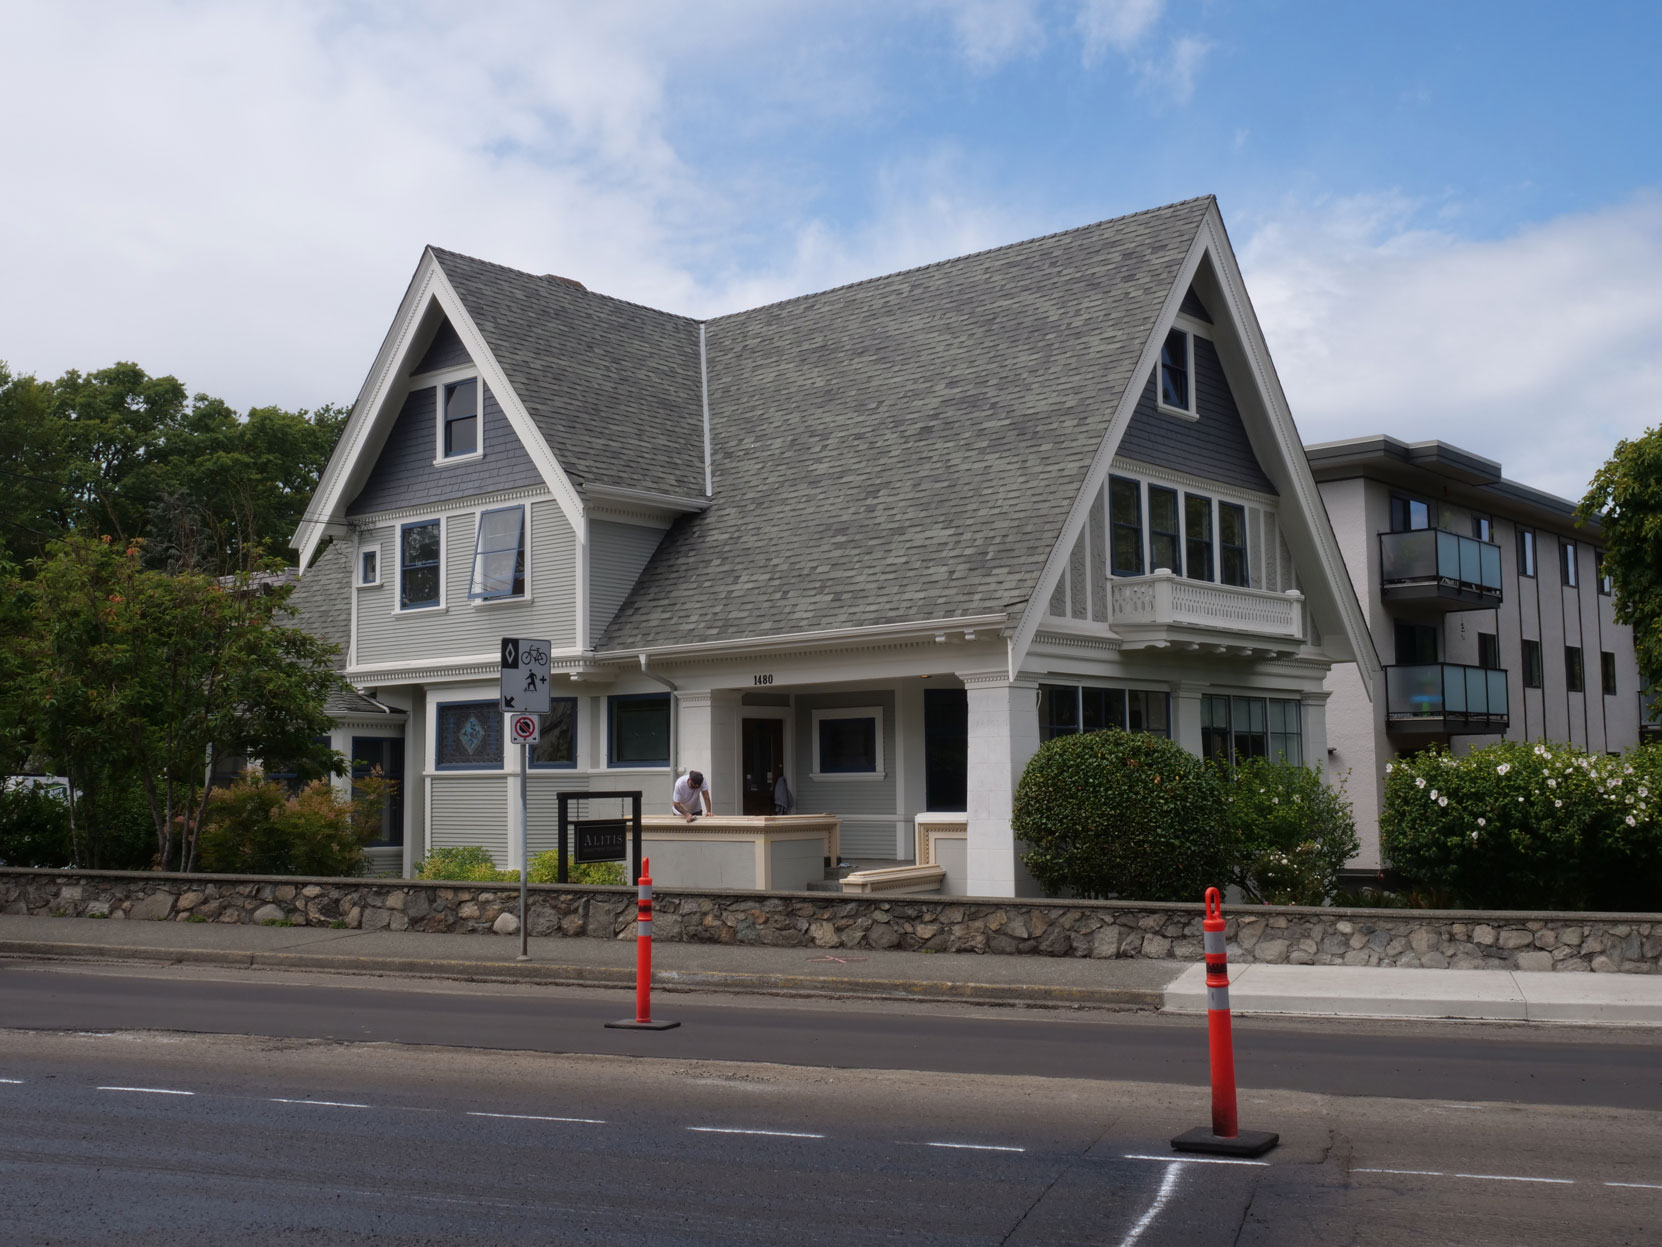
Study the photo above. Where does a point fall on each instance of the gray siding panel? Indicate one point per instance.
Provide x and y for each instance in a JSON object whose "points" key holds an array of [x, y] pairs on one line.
{"points": [[1214, 447], [861, 803], [406, 476], [445, 351], [462, 628], [1192, 306], [617, 553], [470, 809]]}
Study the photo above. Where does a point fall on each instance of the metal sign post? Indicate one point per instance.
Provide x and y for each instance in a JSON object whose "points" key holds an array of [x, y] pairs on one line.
{"points": [[525, 698]]}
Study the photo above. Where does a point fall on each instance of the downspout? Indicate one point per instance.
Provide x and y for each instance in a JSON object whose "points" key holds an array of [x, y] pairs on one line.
{"points": [[650, 674], [674, 732]]}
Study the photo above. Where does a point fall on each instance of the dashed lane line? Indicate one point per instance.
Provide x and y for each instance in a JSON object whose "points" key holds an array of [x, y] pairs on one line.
{"points": [[776, 1134], [318, 1103], [977, 1147], [1474, 1177], [1638, 1186], [149, 1090], [587, 1121], [12, 1082]]}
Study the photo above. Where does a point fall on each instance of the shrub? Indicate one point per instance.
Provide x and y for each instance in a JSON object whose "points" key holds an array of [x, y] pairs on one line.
{"points": [[254, 827], [1521, 826], [1291, 833], [545, 868], [472, 864], [34, 828], [1121, 814]]}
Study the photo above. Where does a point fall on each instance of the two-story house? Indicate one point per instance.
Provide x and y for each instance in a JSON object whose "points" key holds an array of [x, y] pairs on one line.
{"points": [[884, 539], [1488, 603]]}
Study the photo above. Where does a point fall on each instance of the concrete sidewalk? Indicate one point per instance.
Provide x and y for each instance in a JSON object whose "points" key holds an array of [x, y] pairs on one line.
{"points": [[1331, 991]]}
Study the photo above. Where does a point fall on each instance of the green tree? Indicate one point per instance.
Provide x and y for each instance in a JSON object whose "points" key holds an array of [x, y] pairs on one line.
{"points": [[1292, 834], [1626, 498]]}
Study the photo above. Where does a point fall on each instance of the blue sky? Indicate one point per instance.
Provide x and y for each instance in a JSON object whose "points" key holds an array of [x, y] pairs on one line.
{"points": [[1449, 215]]}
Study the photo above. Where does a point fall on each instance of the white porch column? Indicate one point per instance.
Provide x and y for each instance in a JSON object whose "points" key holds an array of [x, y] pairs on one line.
{"points": [[1314, 725], [1186, 720], [707, 740], [1003, 735]]}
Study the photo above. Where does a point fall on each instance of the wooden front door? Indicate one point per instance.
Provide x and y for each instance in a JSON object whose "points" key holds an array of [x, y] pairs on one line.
{"points": [[764, 759]]}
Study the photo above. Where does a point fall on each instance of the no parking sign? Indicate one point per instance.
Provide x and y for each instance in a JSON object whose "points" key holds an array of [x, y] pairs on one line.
{"points": [[524, 729]]}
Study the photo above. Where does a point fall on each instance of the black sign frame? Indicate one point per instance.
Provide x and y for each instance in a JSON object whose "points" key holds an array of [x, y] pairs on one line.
{"points": [[566, 826]]}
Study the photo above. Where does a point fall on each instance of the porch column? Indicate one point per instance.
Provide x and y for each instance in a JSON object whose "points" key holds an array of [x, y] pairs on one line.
{"points": [[707, 740], [1003, 735], [1186, 719], [1313, 713]]}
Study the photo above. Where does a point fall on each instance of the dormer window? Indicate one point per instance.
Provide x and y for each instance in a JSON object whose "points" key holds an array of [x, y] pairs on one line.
{"points": [[459, 419], [1177, 372]]}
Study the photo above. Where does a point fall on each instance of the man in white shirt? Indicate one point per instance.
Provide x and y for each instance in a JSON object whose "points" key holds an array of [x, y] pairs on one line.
{"points": [[687, 793]]}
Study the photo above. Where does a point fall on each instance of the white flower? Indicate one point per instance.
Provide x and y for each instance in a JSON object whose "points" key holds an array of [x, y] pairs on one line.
{"points": [[1420, 782], [1627, 770], [1275, 800], [1616, 783], [1481, 823], [1520, 800], [1643, 791], [1442, 800], [1552, 783], [1474, 837], [1433, 794], [1557, 803], [1630, 821], [1503, 768], [1389, 767]]}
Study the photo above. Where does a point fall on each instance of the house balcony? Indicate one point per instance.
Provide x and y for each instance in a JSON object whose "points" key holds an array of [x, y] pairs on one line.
{"points": [[1167, 611], [1438, 570], [1445, 699]]}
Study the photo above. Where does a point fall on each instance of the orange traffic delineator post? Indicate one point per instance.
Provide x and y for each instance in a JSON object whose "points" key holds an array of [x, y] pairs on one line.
{"points": [[642, 1021], [1225, 1138]]}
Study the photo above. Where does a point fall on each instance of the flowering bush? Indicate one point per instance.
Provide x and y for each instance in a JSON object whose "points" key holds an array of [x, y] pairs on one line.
{"points": [[1291, 834], [1121, 814], [1528, 826]]}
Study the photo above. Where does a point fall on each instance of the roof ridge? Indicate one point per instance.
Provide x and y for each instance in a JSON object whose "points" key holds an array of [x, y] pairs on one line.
{"points": [[968, 255], [566, 283]]}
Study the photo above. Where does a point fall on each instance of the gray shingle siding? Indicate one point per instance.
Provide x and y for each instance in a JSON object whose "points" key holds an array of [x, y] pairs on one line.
{"points": [[405, 475], [1214, 447], [445, 351], [908, 448], [1192, 306], [617, 553]]}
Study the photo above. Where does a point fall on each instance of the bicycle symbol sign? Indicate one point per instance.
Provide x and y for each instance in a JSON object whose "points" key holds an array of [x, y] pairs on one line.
{"points": [[525, 675]]}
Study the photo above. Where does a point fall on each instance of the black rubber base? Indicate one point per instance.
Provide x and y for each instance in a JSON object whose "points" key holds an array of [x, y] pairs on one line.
{"points": [[632, 1025], [1246, 1143]]}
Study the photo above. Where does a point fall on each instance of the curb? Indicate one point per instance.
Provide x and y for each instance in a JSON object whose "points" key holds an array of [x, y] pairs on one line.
{"points": [[552, 974]]}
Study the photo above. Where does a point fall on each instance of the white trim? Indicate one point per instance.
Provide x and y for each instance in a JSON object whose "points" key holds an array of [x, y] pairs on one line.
{"points": [[440, 459], [921, 628], [874, 713], [580, 591], [398, 607], [525, 551], [1122, 466], [1192, 411], [373, 547], [380, 519]]}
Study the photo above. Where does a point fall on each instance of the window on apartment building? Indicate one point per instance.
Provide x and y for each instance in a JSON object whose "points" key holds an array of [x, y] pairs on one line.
{"points": [[1177, 390], [1531, 663], [1607, 672], [1606, 585], [1125, 520], [1065, 709], [468, 736], [848, 742], [1488, 651], [1232, 544], [418, 565], [1165, 537], [1566, 560], [557, 743], [1235, 728], [499, 555], [1574, 680], [1526, 552], [637, 730], [1483, 528], [1416, 644], [1197, 534], [369, 565], [459, 415], [1408, 514]]}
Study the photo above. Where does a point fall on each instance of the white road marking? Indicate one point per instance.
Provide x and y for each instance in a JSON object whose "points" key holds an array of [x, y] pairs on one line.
{"points": [[1476, 1177], [777, 1134], [14, 1082], [318, 1103], [978, 1147], [587, 1121], [1194, 1160], [149, 1090], [1642, 1186], [1168, 1184], [1413, 1173]]}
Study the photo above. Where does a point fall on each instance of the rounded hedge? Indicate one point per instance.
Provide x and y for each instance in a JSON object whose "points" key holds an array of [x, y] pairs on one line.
{"points": [[1121, 815]]}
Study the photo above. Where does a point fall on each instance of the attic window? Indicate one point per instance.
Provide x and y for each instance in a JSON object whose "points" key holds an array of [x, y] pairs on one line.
{"points": [[1177, 359], [459, 419]]}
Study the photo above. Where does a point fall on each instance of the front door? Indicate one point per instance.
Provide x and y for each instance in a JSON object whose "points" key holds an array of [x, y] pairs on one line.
{"points": [[764, 759]]}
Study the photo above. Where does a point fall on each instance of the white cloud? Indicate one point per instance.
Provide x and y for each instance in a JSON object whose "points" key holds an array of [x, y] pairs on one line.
{"points": [[992, 32], [1540, 349], [1115, 25], [1178, 76]]}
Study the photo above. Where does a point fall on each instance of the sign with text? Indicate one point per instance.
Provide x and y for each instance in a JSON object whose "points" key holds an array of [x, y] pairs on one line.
{"points": [[524, 729], [525, 675], [601, 840]]}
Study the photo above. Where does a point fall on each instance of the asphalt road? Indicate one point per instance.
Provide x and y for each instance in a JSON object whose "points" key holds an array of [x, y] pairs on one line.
{"points": [[780, 1122]]}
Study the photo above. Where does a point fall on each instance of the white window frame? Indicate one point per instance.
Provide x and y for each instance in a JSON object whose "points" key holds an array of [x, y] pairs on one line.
{"points": [[443, 381], [374, 548], [1184, 486], [525, 542], [874, 713], [398, 607], [1192, 411]]}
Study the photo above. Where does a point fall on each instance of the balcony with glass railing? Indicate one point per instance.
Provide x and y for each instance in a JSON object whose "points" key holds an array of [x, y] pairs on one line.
{"points": [[1441, 570], [1445, 698]]}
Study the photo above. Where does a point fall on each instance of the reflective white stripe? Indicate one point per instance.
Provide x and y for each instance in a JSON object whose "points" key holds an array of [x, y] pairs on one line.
{"points": [[643, 930], [1214, 942], [1217, 998], [644, 891]]}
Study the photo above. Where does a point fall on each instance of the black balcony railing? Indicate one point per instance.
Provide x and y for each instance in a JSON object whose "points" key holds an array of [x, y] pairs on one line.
{"points": [[1429, 558], [1446, 694]]}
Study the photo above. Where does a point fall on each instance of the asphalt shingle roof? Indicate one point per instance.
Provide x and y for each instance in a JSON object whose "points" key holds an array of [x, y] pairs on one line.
{"points": [[613, 387], [907, 448]]}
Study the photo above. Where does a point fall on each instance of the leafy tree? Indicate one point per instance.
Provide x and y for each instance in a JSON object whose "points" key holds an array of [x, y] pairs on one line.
{"points": [[1292, 834], [1626, 497]]}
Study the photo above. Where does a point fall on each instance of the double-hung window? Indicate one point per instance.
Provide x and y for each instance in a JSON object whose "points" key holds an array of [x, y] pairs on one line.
{"points": [[1177, 390], [1165, 535], [1197, 534], [499, 555], [418, 565], [1125, 518], [459, 419], [1232, 544]]}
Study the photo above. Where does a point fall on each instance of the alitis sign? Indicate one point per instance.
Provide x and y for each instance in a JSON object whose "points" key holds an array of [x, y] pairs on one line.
{"points": [[525, 675]]}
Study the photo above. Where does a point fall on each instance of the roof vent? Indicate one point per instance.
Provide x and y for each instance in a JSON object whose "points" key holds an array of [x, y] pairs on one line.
{"points": [[570, 281]]}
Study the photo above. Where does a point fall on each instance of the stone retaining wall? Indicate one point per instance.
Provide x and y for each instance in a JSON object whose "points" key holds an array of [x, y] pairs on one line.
{"points": [[1626, 943]]}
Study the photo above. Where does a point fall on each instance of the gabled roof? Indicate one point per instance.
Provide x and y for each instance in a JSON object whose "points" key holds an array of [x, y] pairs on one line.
{"points": [[908, 448], [613, 387]]}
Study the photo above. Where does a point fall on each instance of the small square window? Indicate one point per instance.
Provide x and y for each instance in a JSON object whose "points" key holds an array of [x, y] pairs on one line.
{"points": [[848, 743], [369, 565], [1176, 373], [469, 736], [637, 730], [460, 417]]}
